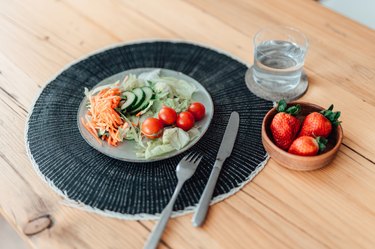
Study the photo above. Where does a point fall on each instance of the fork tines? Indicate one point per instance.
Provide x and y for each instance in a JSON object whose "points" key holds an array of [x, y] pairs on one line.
{"points": [[194, 157]]}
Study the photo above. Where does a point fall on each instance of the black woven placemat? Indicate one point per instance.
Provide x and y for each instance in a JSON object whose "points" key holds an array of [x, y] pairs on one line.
{"points": [[135, 190]]}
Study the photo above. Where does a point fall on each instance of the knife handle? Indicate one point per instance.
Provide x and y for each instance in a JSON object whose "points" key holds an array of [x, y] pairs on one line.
{"points": [[204, 202]]}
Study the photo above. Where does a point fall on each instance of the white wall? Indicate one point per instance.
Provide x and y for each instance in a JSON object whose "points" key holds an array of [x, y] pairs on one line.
{"points": [[363, 11]]}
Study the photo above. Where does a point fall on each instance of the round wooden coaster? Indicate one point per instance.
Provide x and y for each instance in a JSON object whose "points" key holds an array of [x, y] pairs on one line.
{"points": [[268, 94]]}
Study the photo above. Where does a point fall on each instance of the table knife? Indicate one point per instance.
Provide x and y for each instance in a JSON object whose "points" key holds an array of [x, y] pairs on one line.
{"points": [[225, 150]]}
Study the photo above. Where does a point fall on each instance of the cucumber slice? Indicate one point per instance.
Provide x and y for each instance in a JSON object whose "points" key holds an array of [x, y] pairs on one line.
{"points": [[148, 96], [131, 99], [140, 98], [148, 91]]}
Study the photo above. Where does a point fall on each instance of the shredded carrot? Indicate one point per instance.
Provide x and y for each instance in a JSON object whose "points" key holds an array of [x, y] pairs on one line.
{"points": [[102, 116], [115, 101], [91, 131]]}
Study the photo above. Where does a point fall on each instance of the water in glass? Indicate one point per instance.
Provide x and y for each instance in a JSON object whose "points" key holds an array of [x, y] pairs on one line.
{"points": [[278, 64]]}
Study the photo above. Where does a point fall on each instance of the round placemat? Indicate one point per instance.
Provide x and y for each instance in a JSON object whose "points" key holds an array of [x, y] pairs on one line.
{"points": [[98, 183]]}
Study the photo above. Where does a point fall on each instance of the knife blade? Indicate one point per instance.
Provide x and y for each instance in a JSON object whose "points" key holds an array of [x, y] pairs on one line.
{"points": [[229, 137], [225, 151]]}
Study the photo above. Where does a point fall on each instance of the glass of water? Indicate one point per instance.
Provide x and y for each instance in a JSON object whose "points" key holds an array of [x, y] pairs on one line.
{"points": [[279, 54]]}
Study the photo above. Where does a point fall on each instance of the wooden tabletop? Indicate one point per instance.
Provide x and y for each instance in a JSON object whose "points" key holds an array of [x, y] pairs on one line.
{"points": [[329, 208]]}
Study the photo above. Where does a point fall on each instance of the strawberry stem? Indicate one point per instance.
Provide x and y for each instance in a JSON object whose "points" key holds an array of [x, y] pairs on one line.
{"points": [[331, 115], [322, 143], [282, 107]]}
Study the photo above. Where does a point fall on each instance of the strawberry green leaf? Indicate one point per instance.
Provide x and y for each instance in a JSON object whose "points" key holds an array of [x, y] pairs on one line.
{"points": [[331, 115], [322, 143], [293, 110], [281, 106]]}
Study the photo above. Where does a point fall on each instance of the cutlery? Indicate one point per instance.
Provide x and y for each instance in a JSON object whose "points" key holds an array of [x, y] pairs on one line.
{"points": [[225, 150], [185, 169]]}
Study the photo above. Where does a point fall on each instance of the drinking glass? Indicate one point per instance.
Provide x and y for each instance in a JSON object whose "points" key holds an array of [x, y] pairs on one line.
{"points": [[279, 54]]}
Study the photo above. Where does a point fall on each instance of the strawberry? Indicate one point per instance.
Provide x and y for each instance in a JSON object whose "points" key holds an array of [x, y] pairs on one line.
{"points": [[319, 124], [284, 125], [308, 146]]}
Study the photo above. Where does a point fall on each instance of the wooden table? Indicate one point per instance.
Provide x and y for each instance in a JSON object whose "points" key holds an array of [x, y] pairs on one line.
{"points": [[329, 208]]}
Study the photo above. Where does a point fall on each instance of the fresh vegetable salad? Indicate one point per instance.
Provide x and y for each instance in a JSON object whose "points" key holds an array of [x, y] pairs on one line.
{"points": [[156, 112]]}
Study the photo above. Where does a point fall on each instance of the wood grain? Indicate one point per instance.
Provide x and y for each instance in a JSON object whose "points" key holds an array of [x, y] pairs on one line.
{"points": [[328, 208]]}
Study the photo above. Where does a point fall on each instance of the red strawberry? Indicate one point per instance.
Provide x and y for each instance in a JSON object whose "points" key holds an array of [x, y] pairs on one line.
{"points": [[319, 124], [284, 125], [308, 146]]}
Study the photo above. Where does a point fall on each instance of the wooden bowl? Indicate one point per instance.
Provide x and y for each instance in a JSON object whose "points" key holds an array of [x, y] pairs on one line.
{"points": [[295, 162]]}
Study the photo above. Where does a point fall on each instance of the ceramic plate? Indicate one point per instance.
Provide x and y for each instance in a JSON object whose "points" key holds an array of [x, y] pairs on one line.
{"points": [[126, 151]]}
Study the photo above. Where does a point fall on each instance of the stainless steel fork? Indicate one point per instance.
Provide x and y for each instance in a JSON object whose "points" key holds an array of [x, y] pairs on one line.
{"points": [[185, 169]]}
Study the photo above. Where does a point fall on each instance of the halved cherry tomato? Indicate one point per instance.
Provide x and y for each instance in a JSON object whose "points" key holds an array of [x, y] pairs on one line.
{"points": [[185, 121], [198, 110], [167, 115], [152, 128]]}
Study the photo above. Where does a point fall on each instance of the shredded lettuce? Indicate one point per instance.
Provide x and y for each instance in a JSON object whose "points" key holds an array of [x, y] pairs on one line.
{"points": [[131, 134], [183, 89], [148, 114], [147, 108], [162, 88], [172, 139], [154, 149], [176, 137], [157, 105], [147, 77], [87, 93], [130, 82], [193, 133], [174, 87], [179, 105]]}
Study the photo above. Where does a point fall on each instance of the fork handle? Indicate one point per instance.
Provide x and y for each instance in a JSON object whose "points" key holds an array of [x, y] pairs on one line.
{"points": [[204, 202], [159, 228]]}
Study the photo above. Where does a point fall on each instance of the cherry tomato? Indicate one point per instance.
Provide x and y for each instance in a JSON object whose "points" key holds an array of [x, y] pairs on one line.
{"points": [[185, 121], [152, 128], [167, 115], [198, 110]]}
